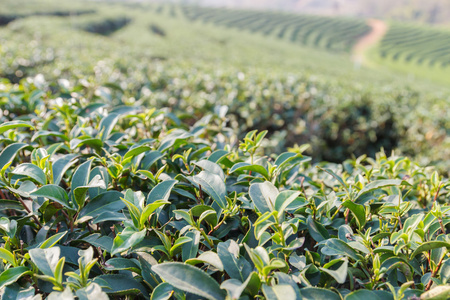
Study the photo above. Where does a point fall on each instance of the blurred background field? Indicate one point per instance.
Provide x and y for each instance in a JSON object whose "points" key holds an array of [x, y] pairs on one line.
{"points": [[287, 68]]}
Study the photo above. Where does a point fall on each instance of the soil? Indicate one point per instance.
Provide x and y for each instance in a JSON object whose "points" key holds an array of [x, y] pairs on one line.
{"points": [[379, 29]]}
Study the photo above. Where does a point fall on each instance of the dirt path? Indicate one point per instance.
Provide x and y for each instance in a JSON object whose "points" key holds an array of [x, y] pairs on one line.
{"points": [[379, 29]]}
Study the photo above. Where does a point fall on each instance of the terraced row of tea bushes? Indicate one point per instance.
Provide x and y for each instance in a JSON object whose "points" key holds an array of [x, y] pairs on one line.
{"points": [[337, 34], [416, 45], [107, 26], [5, 19], [100, 200]]}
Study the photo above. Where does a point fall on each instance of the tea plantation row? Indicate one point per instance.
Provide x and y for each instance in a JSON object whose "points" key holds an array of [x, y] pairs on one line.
{"points": [[417, 45], [334, 34], [101, 201]]}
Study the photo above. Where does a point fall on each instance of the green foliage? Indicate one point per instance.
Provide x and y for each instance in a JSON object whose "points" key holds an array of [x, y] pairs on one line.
{"points": [[148, 180], [299, 95], [176, 209]]}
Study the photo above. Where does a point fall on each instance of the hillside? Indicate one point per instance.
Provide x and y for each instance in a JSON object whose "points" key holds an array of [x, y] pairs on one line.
{"points": [[431, 12], [412, 49]]}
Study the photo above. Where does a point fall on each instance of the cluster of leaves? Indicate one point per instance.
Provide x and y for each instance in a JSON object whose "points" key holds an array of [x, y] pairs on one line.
{"points": [[298, 103], [101, 201]]}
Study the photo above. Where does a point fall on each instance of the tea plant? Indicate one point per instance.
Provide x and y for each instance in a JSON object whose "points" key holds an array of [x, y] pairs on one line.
{"points": [[103, 201], [299, 96]]}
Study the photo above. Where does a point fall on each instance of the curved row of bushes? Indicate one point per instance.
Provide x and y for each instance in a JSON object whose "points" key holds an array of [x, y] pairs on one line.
{"points": [[337, 34], [417, 45], [5, 19], [107, 26]]}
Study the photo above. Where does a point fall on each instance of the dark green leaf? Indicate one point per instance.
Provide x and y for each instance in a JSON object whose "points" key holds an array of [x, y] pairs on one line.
{"points": [[207, 257], [15, 292], [109, 201], [378, 184], [11, 275], [313, 293], [127, 239], [338, 247], [358, 211], [190, 249], [147, 261], [45, 133], [107, 125], [136, 151], [263, 196], [428, 246], [218, 155], [279, 292], [31, 171], [121, 284], [213, 185], [55, 193], [81, 175], [316, 230], [234, 266], [150, 158], [363, 294], [92, 292], [162, 292], [8, 154], [337, 177], [340, 274], [190, 279], [104, 242], [437, 293], [243, 166], [119, 263], [444, 271], [283, 200], [13, 125], [45, 259], [161, 191], [61, 166]]}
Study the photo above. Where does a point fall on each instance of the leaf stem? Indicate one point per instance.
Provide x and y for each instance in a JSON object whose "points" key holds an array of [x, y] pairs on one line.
{"points": [[280, 232], [218, 224], [337, 211], [68, 219], [28, 210], [434, 273], [211, 243]]}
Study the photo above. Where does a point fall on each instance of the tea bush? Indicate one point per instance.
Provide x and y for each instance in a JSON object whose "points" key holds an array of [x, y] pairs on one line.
{"points": [[130, 167], [299, 96], [101, 200]]}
